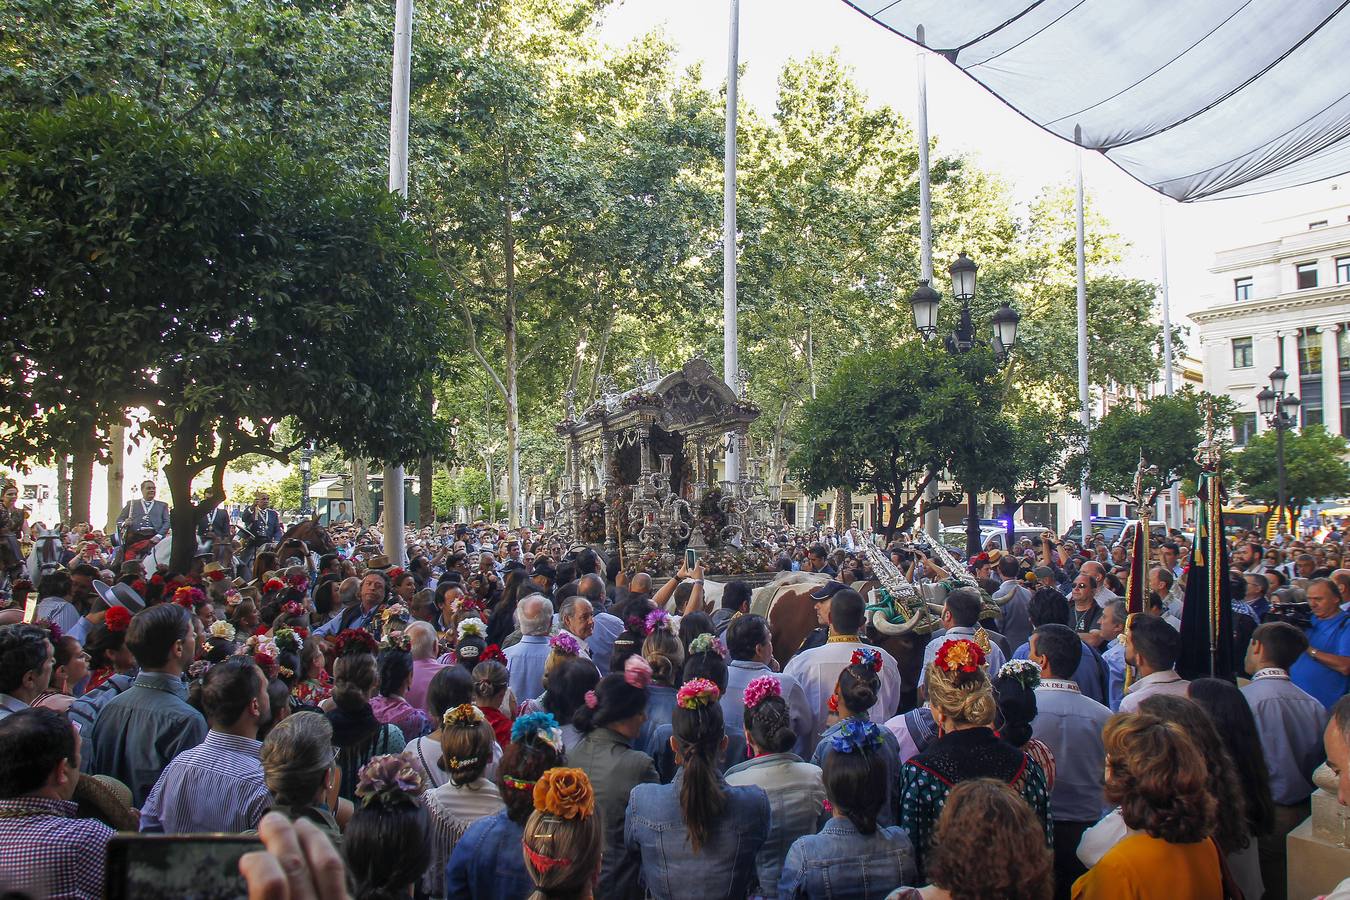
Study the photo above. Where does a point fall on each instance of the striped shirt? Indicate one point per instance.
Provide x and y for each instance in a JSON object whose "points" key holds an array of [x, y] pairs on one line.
{"points": [[46, 851], [216, 786]]}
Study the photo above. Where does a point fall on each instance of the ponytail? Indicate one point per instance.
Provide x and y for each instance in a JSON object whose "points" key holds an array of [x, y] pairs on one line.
{"points": [[698, 735]]}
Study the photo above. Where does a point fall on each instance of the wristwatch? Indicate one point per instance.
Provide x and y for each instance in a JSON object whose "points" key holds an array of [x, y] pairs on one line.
{"points": [[1312, 651]]}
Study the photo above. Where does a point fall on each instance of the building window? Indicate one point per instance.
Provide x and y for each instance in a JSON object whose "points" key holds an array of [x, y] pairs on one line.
{"points": [[1242, 288], [1320, 223], [1343, 270], [1309, 352], [1343, 349], [1242, 353], [1307, 275], [1312, 415], [1244, 428]]}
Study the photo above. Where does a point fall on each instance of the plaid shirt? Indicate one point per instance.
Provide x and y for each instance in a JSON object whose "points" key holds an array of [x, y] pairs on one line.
{"points": [[47, 852]]}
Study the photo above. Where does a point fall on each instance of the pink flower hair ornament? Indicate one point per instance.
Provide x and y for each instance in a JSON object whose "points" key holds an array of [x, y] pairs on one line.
{"points": [[760, 689], [657, 618], [565, 643], [637, 672]]}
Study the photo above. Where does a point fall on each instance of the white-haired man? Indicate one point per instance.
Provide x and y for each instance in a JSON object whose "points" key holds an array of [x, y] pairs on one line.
{"points": [[422, 638], [525, 660]]}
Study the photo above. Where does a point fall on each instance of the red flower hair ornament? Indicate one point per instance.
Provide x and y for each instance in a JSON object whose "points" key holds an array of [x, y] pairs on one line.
{"points": [[959, 656]]}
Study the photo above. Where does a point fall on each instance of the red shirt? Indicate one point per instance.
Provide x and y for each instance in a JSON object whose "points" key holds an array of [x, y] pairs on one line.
{"points": [[500, 722]]}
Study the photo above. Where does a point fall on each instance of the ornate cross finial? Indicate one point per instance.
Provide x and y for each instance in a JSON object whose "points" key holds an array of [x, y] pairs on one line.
{"points": [[570, 401], [1144, 470], [653, 370], [1208, 453]]}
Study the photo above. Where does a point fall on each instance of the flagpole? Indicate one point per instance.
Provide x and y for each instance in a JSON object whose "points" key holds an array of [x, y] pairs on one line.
{"points": [[932, 522], [394, 543], [1084, 395], [730, 367]]}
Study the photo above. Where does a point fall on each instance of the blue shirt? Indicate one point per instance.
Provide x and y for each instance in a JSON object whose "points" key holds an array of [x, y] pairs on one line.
{"points": [[525, 662], [1071, 726], [141, 729], [334, 625], [1290, 723], [839, 863], [1114, 657], [216, 786], [487, 862], [601, 642], [1330, 636], [1091, 674], [660, 707]]}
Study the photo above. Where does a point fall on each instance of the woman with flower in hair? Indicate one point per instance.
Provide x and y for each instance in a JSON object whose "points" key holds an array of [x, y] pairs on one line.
{"points": [[963, 707], [609, 722], [563, 839], [490, 683], [107, 648], [697, 836], [1015, 693], [467, 796], [357, 735], [313, 683], [470, 643], [665, 654], [70, 664], [385, 843], [568, 684], [706, 661], [487, 861], [796, 790], [853, 857], [396, 672], [855, 693]]}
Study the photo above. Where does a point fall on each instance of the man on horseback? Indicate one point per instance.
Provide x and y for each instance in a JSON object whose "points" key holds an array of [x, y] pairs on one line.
{"points": [[12, 519], [214, 532], [261, 525], [142, 523]]}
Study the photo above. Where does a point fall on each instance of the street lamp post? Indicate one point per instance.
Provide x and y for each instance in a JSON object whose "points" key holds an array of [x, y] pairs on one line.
{"points": [[306, 456], [924, 302], [1281, 411]]}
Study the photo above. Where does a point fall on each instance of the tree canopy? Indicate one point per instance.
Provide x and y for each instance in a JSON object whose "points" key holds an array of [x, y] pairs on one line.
{"points": [[1314, 463], [221, 285]]}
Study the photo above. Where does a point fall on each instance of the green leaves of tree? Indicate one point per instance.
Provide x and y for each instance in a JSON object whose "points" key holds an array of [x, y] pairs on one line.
{"points": [[1314, 462]]}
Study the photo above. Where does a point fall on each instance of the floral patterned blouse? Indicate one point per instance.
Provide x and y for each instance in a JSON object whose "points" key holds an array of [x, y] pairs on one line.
{"points": [[960, 756]]}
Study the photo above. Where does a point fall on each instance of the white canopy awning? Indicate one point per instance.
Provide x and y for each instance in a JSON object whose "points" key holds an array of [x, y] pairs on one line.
{"points": [[1198, 99], [321, 487]]}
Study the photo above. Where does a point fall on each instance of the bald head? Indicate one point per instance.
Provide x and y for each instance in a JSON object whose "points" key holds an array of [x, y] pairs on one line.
{"points": [[422, 637], [1095, 569], [641, 584]]}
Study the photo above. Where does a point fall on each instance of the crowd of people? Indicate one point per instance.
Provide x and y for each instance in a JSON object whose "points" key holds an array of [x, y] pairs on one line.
{"points": [[508, 717]]}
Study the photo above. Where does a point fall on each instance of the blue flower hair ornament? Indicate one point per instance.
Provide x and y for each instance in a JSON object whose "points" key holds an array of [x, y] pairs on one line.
{"points": [[538, 724], [856, 736]]}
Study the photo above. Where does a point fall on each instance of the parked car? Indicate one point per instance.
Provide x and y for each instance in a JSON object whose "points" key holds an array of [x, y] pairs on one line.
{"points": [[1115, 530], [991, 536]]}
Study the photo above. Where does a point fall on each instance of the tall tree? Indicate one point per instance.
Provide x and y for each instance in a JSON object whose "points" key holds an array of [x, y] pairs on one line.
{"points": [[1314, 462], [218, 284], [559, 155]]}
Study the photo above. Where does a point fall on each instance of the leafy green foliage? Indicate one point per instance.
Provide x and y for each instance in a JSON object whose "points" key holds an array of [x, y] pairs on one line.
{"points": [[1167, 430], [1314, 463], [219, 284]]}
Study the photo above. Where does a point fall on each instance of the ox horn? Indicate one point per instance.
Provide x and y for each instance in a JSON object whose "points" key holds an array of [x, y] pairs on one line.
{"points": [[884, 626]]}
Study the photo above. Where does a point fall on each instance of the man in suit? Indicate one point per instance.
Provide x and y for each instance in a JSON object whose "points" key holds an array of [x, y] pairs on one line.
{"points": [[214, 531], [263, 524], [145, 517]]}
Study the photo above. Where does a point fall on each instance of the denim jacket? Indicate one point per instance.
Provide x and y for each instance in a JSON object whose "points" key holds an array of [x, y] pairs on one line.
{"points": [[660, 708], [796, 801], [655, 833], [487, 862], [141, 729], [841, 864]]}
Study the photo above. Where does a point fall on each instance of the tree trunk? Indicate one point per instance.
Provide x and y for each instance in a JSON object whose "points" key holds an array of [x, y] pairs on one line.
{"points": [[63, 489], [82, 482], [117, 473], [512, 358], [972, 524], [426, 510], [362, 507], [843, 509]]}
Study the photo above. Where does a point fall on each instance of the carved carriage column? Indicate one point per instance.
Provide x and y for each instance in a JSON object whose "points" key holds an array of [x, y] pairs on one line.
{"points": [[608, 489]]}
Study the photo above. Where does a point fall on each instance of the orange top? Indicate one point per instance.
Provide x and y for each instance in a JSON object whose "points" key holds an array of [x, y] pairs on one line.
{"points": [[1142, 867]]}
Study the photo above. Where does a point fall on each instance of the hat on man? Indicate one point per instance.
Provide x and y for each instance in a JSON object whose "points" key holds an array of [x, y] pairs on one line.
{"points": [[378, 561], [828, 590], [120, 594]]}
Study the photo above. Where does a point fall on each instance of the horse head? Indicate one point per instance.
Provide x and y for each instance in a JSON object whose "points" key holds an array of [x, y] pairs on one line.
{"points": [[45, 557]]}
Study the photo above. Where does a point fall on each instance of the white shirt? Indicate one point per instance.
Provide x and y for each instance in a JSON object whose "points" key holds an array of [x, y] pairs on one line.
{"points": [[1167, 682], [817, 671]]}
